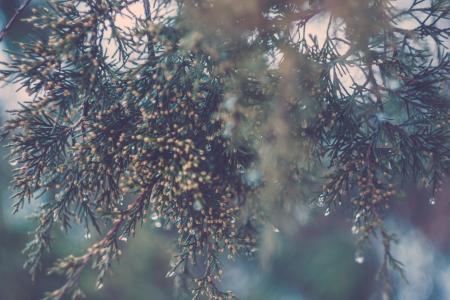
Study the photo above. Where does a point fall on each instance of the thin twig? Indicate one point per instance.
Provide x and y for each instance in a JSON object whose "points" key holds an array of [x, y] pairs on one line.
{"points": [[13, 19], [148, 17]]}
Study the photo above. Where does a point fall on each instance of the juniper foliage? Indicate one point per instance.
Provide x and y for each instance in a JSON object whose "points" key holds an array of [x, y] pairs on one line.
{"points": [[216, 117]]}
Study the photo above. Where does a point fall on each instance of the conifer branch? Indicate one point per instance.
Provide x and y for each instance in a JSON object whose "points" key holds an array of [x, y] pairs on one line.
{"points": [[201, 131]]}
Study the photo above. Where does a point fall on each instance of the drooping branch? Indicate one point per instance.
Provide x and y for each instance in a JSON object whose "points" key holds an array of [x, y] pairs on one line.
{"points": [[13, 19]]}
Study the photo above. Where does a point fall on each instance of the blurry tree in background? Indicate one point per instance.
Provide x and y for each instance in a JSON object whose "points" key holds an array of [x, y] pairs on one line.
{"points": [[222, 122]]}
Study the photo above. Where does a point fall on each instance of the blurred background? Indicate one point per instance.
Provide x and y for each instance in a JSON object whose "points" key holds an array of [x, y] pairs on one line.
{"points": [[312, 257]]}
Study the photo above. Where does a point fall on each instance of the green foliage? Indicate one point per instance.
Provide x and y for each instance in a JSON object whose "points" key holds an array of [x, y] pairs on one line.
{"points": [[214, 117]]}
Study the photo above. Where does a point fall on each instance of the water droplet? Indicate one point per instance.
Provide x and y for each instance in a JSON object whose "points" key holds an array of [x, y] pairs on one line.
{"points": [[355, 229], [158, 224], [432, 201], [85, 199], [198, 205], [327, 212], [208, 147], [304, 124], [275, 229], [321, 200], [359, 258], [155, 216], [303, 107], [170, 274], [87, 235]]}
